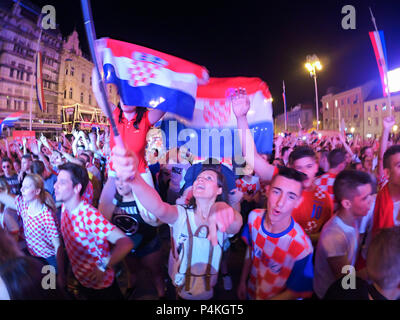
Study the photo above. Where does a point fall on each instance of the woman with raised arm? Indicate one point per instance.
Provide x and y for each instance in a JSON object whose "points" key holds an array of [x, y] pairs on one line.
{"points": [[198, 230]]}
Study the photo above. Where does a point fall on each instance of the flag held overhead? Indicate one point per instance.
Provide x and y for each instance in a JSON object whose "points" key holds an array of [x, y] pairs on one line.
{"points": [[213, 130], [149, 78]]}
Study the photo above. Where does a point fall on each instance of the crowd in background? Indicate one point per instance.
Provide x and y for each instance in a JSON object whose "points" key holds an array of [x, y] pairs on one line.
{"points": [[320, 202]]}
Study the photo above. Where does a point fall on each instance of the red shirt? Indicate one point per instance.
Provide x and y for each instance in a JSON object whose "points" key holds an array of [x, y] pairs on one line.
{"points": [[134, 139], [315, 209]]}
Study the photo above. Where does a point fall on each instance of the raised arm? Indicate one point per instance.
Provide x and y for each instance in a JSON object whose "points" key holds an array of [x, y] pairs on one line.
{"points": [[388, 123], [241, 105], [8, 200], [125, 165]]}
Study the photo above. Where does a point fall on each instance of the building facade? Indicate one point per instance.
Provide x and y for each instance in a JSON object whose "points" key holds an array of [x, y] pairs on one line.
{"points": [[19, 34], [76, 101], [304, 113], [376, 110], [347, 105]]}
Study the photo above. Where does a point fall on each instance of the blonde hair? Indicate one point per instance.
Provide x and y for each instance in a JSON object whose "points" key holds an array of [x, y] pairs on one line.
{"points": [[44, 196], [4, 186]]}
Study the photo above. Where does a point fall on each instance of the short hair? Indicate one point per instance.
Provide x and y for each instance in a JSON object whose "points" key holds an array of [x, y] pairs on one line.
{"points": [[301, 152], [336, 157], [383, 258], [347, 182], [6, 159], [37, 167], [78, 175], [290, 173], [388, 153]]}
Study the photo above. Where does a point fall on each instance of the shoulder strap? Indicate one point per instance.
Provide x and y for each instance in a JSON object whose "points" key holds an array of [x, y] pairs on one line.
{"points": [[190, 249]]}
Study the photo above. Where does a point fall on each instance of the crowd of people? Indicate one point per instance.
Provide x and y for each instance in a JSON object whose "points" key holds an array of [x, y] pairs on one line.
{"points": [[319, 212]]}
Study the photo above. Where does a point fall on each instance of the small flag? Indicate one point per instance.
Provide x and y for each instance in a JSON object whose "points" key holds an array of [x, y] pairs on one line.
{"points": [[378, 43], [149, 78], [10, 120], [213, 130], [39, 82]]}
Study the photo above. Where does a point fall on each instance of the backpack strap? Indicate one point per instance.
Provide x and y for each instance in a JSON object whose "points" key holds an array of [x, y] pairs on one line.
{"points": [[210, 255], [189, 260]]}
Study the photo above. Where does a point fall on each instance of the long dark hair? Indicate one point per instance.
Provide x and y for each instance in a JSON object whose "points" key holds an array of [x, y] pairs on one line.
{"points": [[221, 182], [140, 111]]}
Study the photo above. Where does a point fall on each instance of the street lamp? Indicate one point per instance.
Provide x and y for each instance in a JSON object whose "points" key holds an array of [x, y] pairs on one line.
{"points": [[313, 64]]}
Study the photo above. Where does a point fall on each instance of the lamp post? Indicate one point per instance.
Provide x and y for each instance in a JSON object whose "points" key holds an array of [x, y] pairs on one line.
{"points": [[312, 65]]}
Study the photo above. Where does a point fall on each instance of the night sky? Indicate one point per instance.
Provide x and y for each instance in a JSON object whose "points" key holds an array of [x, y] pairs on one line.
{"points": [[265, 39]]}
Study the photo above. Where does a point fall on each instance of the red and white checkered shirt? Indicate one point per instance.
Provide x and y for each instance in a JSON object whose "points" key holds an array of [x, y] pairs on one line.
{"points": [[325, 182], [85, 232], [88, 194], [273, 257], [39, 230], [250, 187]]}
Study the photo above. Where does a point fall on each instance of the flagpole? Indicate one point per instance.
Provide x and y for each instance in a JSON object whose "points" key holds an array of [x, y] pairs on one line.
{"points": [[91, 37], [385, 71], [33, 80], [284, 104]]}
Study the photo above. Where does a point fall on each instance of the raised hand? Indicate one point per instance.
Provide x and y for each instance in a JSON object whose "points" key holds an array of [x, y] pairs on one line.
{"points": [[124, 162], [388, 123], [240, 102], [220, 218]]}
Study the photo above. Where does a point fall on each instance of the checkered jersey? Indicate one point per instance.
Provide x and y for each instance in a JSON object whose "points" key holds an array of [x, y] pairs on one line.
{"points": [[325, 182], [248, 187], [88, 194], [39, 230], [315, 209], [274, 256], [85, 233]]}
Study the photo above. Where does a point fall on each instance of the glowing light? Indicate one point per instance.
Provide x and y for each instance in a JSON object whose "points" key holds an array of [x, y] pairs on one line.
{"points": [[155, 103], [352, 129], [395, 127], [394, 80], [369, 135]]}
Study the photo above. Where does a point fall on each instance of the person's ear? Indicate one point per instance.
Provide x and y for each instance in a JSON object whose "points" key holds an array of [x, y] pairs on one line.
{"points": [[346, 203], [77, 188], [219, 191]]}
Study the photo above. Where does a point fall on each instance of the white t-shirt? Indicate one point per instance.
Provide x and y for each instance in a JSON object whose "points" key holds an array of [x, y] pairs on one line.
{"points": [[396, 208], [337, 239], [179, 235]]}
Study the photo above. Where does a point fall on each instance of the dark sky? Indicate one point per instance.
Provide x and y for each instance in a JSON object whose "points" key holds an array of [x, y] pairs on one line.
{"points": [[266, 39]]}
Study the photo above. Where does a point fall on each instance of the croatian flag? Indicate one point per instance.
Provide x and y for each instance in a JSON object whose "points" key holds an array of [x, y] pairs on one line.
{"points": [[10, 120], [213, 130], [149, 78], [378, 43], [39, 82]]}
